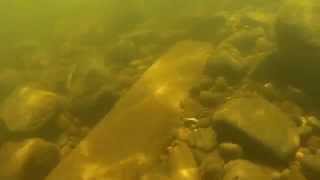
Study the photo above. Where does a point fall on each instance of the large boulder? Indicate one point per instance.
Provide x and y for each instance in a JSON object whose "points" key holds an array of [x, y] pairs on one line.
{"points": [[28, 109], [296, 61], [258, 126], [296, 28], [236, 54], [29, 159], [225, 63]]}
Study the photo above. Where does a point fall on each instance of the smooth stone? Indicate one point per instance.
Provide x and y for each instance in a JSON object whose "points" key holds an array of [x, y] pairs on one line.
{"points": [[258, 126], [212, 167], [29, 159], [203, 138], [28, 109], [224, 64]]}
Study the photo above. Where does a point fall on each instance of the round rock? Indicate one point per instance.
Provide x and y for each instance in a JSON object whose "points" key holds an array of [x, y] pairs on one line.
{"points": [[30, 159], [28, 109]]}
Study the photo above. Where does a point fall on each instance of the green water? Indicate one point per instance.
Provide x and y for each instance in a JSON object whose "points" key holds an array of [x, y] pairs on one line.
{"points": [[68, 67]]}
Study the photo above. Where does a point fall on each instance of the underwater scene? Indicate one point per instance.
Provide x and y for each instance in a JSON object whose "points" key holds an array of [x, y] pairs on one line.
{"points": [[160, 90]]}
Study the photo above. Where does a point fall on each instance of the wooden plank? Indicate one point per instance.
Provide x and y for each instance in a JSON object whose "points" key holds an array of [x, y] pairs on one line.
{"points": [[134, 134]]}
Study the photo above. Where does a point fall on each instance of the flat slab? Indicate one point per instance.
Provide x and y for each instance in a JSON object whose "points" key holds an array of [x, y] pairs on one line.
{"points": [[132, 136], [256, 122]]}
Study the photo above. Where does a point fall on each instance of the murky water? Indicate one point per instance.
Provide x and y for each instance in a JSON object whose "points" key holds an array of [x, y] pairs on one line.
{"points": [[161, 90]]}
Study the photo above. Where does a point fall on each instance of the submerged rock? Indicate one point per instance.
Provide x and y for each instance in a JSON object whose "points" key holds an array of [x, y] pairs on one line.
{"points": [[183, 166], [313, 143], [298, 42], [311, 165], [296, 29], [94, 105], [122, 53], [314, 122], [212, 167], [209, 98], [29, 109], [203, 138], [30, 159], [246, 41], [225, 63], [258, 126], [230, 151], [245, 170]]}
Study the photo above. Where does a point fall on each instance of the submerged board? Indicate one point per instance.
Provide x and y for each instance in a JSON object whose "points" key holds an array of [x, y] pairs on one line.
{"points": [[134, 134]]}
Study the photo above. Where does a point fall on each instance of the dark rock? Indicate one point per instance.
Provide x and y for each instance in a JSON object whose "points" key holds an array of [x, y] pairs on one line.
{"points": [[93, 106], [224, 63], [251, 20], [204, 122], [285, 174], [212, 167], [295, 30], [298, 43], [220, 84], [203, 138], [293, 110], [30, 159], [269, 91], [245, 41], [122, 53], [258, 126], [230, 151], [29, 109], [314, 122], [199, 155], [311, 165], [245, 170], [313, 143], [209, 98], [305, 131]]}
